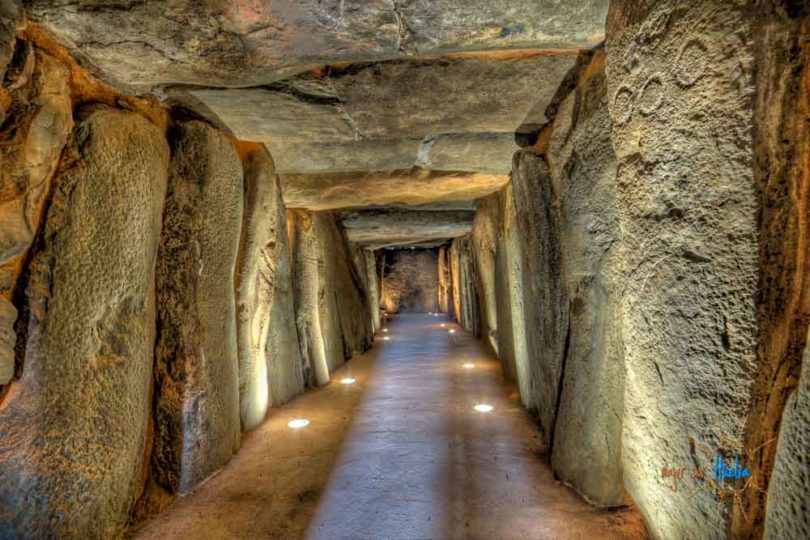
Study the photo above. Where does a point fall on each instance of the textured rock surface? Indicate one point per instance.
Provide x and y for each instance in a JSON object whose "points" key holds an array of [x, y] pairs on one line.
{"points": [[587, 438], [373, 286], [332, 300], [330, 191], [789, 499], [196, 377], [11, 19], [73, 429], [465, 297], [782, 173], [392, 227], [679, 93], [509, 298], [269, 358], [31, 141], [483, 240], [445, 288], [148, 43], [411, 281], [545, 303]]}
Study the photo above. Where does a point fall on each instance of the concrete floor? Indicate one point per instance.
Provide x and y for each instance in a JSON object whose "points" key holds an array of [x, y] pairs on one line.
{"points": [[400, 454]]}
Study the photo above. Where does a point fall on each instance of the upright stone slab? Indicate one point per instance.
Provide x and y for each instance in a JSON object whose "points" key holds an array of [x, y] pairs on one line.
{"points": [[196, 368], [680, 96], [483, 239], [307, 278], [73, 429], [788, 496], [545, 306], [373, 281], [39, 122], [445, 286], [269, 357], [587, 438], [509, 299]]}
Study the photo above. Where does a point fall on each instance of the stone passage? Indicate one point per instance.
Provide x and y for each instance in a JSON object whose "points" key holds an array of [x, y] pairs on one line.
{"points": [[208, 208]]}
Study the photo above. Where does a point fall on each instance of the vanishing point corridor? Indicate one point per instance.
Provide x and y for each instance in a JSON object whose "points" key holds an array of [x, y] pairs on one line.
{"points": [[401, 453], [405, 269]]}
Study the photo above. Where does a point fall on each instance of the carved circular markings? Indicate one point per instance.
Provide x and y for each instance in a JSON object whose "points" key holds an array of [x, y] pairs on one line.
{"points": [[622, 105], [652, 95], [691, 63]]}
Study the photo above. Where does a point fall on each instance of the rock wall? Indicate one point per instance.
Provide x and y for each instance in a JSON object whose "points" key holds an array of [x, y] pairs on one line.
{"points": [[680, 91], [411, 281], [270, 367], [509, 298], [73, 429], [545, 305], [196, 366], [782, 174], [331, 297], [587, 437], [466, 305], [483, 240], [373, 287], [445, 286], [789, 498], [34, 127]]}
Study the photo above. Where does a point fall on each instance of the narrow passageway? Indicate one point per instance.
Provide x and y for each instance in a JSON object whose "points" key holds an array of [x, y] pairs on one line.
{"points": [[401, 453]]}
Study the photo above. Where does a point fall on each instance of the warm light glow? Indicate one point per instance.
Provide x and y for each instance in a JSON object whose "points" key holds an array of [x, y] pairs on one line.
{"points": [[468, 365], [442, 325], [347, 380], [298, 423], [451, 331], [483, 407], [385, 329], [386, 338]]}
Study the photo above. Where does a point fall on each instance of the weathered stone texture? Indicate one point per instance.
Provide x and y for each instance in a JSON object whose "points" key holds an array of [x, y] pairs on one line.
{"points": [[196, 364], [333, 191], [680, 97], [31, 141], [782, 173], [411, 281], [445, 288], [332, 300], [73, 429], [465, 297], [373, 287], [12, 18], [269, 358], [395, 227], [788, 497], [483, 240], [587, 438], [509, 298], [545, 303], [149, 43]]}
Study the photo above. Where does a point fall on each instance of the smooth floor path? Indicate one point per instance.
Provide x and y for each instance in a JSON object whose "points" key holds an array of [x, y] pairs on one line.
{"points": [[402, 453]]}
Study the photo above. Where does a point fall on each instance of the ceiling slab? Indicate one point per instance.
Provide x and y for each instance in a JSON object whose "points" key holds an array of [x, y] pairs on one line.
{"points": [[140, 45], [356, 190], [394, 226]]}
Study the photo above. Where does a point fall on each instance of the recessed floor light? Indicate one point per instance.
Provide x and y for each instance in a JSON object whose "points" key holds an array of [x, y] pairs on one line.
{"points": [[385, 329], [386, 338], [442, 325], [298, 423], [348, 380], [483, 407], [468, 365], [451, 331]]}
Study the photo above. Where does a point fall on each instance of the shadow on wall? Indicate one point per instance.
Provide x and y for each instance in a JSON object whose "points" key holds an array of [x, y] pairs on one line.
{"points": [[410, 281]]}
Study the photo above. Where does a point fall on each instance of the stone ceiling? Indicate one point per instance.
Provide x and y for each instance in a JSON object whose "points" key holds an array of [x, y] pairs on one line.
{"points": [[360, 102]]}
